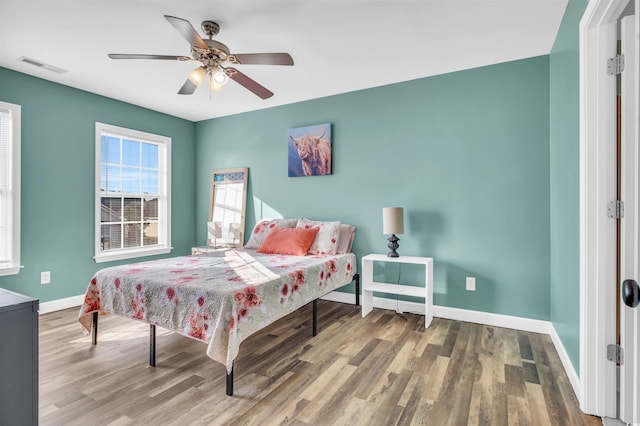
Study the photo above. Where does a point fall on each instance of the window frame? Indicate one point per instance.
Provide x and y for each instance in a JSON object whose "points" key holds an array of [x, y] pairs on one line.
{"points": [[13, 267], [164, 191]]}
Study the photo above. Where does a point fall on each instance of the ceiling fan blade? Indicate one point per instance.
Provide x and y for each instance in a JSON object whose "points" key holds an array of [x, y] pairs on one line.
{"points": [[186, 30], [264, 58], [187, 88], [248, 83], [135, 56]]}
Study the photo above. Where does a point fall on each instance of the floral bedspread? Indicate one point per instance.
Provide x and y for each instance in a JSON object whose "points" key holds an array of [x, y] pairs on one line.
{"points": [[220, 297]]}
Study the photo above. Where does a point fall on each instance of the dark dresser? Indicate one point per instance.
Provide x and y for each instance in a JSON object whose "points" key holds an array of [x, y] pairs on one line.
{"points": [[18, 359]]}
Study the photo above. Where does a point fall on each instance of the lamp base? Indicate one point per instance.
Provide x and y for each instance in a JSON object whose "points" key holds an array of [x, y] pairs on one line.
{"points": [[393, 246]]}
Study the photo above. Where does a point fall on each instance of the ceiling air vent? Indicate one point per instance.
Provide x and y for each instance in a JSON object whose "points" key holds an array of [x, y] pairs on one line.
{"points": [[42, 65]]}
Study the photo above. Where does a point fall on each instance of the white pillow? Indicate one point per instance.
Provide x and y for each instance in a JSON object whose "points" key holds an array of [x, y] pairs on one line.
{"points": [[326, 241], [345, 242], [264, 227]]}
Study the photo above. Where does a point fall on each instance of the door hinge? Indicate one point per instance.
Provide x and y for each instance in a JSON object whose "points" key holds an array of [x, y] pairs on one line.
{"points": [[615, 209], [615, 65], [615, 353]]}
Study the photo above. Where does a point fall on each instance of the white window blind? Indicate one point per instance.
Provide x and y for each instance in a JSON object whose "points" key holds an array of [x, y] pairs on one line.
{"points": [[9, 188], [132, 194]]}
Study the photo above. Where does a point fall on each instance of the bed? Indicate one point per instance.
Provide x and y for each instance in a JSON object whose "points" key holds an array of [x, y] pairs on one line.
{"points": [[219, 298]]}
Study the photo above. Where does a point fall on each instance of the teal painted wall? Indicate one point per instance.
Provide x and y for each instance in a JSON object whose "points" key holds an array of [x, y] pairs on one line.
{"points": [[466, 154], [565, 181], [58, 138]]}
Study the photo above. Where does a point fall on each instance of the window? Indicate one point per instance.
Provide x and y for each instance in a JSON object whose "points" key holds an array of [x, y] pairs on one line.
{"points": [[132, 193], [9, 188]]}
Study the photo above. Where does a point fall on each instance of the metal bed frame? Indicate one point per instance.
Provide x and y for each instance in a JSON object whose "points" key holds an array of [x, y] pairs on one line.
{"points": [[152, 333]]}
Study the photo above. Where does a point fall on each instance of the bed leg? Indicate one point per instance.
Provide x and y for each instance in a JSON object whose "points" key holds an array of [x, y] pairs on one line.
{"points": [[357, 278], [230, 382], [315, 317], [94, 329], [152, 345]]}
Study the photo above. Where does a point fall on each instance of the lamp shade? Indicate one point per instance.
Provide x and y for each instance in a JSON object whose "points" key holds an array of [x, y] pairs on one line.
{"points": [[392, 220]]}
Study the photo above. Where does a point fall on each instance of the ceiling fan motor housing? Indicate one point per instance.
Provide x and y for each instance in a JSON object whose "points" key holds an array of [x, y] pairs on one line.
{"points": [[210, 28], [216, 53]]}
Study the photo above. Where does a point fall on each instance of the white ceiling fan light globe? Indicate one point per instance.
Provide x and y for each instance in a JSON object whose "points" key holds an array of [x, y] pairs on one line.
{"points": [[196, 76], [217, 79], [213, 86], [220, 78]]}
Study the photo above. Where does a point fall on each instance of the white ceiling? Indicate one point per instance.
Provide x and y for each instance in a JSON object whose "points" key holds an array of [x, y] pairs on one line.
{"points": [[338, 46]]}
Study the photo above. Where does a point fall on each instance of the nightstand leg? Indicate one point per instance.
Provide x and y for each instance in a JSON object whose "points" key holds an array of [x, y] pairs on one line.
{"points": [[367, 295], [428, 300], [367, 302]]}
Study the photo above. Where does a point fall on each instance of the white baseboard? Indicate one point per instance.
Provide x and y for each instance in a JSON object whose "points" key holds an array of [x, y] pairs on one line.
{"points": [[486, 318], [495, 320], [566, 362], [60, 304], [478, 317]]}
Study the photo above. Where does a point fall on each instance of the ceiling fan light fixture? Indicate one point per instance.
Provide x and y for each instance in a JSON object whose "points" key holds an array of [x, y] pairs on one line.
{"points": [[196, 76], [214, 87], [219, 77]]}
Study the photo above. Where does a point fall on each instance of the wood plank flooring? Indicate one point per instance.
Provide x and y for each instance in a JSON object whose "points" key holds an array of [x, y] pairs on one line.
{"points": [[384, 369]]}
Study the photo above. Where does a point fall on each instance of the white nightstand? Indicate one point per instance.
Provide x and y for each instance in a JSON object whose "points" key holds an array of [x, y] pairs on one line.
{"points": [[369, 286]]}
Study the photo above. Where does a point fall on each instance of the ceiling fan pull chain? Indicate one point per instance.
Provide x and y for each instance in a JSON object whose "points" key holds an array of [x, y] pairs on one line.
{"points": [[210, 84]]}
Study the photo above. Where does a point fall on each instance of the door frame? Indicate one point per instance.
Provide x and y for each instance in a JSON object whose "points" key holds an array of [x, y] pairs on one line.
{"points": [[598, 37], [629, 371]]}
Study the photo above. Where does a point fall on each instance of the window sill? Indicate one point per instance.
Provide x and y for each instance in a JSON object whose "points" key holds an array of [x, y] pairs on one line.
{"points": [[10, 270], [126, 254]]}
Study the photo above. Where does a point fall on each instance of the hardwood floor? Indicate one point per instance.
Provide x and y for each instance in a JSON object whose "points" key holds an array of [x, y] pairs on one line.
{"points": [[384, 369]]}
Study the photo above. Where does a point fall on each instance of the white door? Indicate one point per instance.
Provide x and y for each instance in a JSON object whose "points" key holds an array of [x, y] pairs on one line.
{"points": [[630, 224]]}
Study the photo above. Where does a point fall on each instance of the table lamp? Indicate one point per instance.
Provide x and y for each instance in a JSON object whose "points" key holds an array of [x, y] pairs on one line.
{"points": [[393, 223]]}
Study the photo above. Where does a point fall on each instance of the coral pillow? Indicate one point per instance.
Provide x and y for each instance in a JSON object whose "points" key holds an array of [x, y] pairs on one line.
{"points": [[295, 241]]}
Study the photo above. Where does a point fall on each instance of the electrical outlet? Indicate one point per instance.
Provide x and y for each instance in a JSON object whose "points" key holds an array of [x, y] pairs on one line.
{"points": [[471, 284], [45, 277]]}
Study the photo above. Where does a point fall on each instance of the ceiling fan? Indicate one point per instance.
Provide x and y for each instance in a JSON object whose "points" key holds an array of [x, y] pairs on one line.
{"points": [[214, 58]]}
